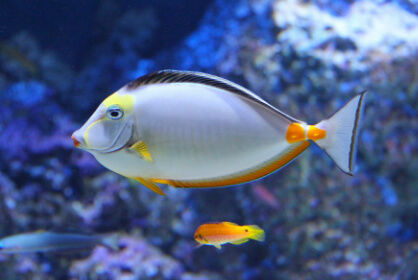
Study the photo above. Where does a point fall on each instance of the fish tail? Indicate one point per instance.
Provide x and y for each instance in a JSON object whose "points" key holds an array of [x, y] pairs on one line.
{"points": [[337, 135], [110, 241], [256, 233]]}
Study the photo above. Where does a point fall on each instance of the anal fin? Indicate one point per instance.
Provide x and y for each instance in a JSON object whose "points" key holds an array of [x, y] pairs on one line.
{"points": [[239, 241], [142, 149], [160, 181], [150, 185]]}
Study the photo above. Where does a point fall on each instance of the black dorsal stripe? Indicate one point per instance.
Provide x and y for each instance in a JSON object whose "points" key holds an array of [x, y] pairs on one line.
{"points": [[176, 76]]}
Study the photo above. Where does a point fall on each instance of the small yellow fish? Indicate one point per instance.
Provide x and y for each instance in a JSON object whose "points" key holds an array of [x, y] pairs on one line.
{"points": [[195, 130], [220, 233]]}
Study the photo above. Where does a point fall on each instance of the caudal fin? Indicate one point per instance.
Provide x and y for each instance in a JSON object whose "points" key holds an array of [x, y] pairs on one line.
{"points": [[342, 130], [256, 233]]}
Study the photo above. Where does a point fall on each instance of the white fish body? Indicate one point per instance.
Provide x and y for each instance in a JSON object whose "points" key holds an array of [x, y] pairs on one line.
{"points": [[226, 134], [190, 129]]}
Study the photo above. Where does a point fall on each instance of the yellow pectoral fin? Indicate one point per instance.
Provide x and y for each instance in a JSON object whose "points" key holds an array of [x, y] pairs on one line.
{"points": [[150, 185], [240, 241], [141, 148]]}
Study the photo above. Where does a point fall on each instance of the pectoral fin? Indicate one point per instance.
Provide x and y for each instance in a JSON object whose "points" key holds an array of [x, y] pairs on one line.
{"points": [[150, 185], [198, 246], [142, 149], [240, 241]]}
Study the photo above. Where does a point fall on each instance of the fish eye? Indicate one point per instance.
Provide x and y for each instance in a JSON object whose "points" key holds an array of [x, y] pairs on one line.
{"points": [[114, 112]]}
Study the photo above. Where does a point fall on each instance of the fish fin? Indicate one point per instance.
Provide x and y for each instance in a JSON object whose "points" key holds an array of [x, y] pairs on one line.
{"points": [[228, 223], [342, 130], [177, 76], [239, 241], [217, 246], [110, 241], [141, 148], [256, 233], [248, 175], [150, 185], [198, 246], [160, 181]]}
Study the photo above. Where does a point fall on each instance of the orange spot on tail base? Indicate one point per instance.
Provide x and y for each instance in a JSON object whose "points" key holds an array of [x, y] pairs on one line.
{"points": [[295, 133], [315, 133]]}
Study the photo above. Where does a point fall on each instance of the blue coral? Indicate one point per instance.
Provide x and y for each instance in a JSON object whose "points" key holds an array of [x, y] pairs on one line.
{"points": [[26, 94]]}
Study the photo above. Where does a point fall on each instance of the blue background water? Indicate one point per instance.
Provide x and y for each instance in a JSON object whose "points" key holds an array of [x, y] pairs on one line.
{"points": [[60, 59]]}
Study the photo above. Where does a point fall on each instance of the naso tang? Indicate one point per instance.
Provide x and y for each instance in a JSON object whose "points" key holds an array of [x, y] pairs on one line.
{"points": [[220, 233], [42, 241], [195, 130]]}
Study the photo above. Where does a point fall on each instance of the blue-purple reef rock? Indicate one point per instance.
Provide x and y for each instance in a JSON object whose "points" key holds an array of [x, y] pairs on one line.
{"points": [[305, 57]]}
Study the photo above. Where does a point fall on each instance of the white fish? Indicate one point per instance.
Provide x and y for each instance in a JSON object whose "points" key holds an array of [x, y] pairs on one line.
{"points": [[42, 241], [195, 130]]}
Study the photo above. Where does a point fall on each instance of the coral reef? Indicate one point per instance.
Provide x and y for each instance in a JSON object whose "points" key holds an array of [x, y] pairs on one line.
{"points": [[305, 57], [136, 260], [356, 41]]}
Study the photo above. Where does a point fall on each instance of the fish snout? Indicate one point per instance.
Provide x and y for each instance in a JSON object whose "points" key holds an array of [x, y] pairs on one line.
{"points": [[76, 139]]}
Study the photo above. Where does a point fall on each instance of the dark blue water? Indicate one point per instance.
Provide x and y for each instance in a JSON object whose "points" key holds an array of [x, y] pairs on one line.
{"points": [[60, 59]]}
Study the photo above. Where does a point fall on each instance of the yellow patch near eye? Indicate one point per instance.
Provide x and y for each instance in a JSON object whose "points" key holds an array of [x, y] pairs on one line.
{"points": [[125, 101], [295, 133], [315, 133]]}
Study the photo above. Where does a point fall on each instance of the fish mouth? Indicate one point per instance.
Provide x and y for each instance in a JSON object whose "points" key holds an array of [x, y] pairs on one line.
{"points": [[75, 141], [78, 140]]}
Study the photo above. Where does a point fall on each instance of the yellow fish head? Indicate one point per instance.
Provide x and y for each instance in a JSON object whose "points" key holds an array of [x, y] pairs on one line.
{"points": [[199, 238], [109, 128]]}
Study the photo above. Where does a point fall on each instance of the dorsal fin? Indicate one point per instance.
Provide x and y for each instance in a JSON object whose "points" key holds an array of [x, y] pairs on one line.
{"points": [[230, 224], [176, 76], [219, 223]]}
